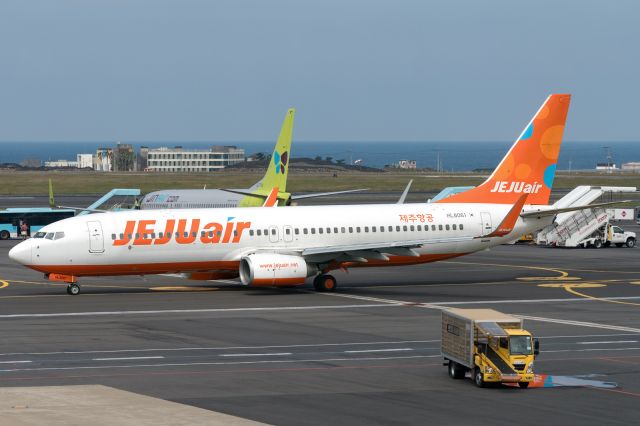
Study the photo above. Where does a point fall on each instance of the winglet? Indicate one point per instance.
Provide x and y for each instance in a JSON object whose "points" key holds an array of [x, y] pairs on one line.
{"points": [[272, 199], [404, 193], [52, 202], [509, 221]]}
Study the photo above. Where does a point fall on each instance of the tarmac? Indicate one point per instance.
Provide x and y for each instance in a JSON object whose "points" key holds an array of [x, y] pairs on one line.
{"points": [[367, 354]]}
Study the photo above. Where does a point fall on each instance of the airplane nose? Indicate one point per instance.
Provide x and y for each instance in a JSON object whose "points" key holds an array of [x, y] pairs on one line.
{"points": [[21, 253]]}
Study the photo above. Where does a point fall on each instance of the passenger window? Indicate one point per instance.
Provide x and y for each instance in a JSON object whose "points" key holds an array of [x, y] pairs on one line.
{"points": [[235, 233], [160, 234], [439, 227], [411, 228], [313, 230], [211, 233], [390, 229], [328, 230], [297, 231], [113, 236], [251, 232], [129, 236], [366, 229], [433, 227], [351, 230], [194, 234], [259, 232], [287, 231], [343, 230], [454, 227], [320, 230], [305, 231], [447, 227], [357, 229], [266, 232], [138, 235], [373, 229], [273, 232], [419, 227], [397, 228], [382, 229], [202, 234], [404, 228], [335, 230]]}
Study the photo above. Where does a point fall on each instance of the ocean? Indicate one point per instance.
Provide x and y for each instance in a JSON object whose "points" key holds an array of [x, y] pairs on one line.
{"points": [[453, 156]]}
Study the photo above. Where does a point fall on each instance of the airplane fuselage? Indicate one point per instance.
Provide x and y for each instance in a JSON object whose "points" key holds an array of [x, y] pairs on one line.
{"points": [[191, 240]]}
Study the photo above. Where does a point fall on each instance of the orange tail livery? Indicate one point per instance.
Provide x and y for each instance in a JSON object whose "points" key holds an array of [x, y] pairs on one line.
{"points": [[530, 165]]}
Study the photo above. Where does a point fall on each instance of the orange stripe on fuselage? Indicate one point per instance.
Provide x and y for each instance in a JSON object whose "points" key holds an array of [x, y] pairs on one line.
{"points": [[136, 268]]}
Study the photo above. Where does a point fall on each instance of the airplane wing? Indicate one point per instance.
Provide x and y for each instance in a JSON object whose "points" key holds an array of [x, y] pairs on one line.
{"points": [[552, 212], [324, 194]]}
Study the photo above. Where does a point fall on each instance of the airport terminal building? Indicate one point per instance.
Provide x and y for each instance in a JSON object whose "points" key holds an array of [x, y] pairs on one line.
{"points": [[173, 160]]}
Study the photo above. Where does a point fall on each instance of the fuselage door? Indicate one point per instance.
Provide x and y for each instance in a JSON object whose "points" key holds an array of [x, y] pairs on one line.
{"points": [[273, 234], [288, 233], [486, 223], [96, 238]]}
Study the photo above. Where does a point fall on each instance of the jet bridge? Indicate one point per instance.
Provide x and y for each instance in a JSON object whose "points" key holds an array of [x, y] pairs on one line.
{"points": [[569, 228]]}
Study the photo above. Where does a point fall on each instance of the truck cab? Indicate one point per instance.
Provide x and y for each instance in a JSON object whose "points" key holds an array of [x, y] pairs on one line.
{"points": [[508, 357], [620, 237]]}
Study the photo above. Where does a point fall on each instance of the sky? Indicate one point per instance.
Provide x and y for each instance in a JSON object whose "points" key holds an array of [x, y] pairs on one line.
{"points": [[355, 70]]}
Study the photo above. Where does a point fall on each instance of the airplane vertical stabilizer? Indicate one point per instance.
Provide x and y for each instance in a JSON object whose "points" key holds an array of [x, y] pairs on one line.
{"points": [[530, 165]]}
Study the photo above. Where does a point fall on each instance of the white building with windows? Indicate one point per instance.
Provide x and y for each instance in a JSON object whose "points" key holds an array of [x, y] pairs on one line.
{"points": [[177, 159], [84, 161]]}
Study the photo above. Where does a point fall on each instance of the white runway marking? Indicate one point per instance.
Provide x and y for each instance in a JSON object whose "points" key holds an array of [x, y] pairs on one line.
{"points": [[15, 362], [128, 358], [189, 364], [591, 350], [221, 348], [378, 350], [609, 342], [581, 323], [189, 311], [478, 302], [273, 354]]}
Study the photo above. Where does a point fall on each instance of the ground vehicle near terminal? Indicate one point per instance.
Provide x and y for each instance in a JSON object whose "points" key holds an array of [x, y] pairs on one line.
{"points": [[493, 346], [609, 234], [35, 217]]}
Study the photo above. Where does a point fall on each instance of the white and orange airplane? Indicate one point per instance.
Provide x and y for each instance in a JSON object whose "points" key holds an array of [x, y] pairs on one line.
{"points": [[284, 246]]}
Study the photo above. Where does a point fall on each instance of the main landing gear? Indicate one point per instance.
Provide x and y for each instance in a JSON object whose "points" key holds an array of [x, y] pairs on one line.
{"points": [[73, 289], [325, 282]]}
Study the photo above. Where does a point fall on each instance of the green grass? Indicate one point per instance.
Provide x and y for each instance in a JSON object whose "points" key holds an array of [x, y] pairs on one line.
{"points": [[36, 183]]}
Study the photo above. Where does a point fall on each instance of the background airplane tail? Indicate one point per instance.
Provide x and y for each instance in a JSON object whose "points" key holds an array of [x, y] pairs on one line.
{"points": [[276, 175], [530, 165]]}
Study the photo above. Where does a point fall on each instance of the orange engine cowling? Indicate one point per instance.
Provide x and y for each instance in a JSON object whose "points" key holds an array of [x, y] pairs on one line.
{"points": [[272, 269]]}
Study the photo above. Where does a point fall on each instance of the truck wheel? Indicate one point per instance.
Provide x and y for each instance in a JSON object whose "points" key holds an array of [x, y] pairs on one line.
{"points": [[597, 244], [456, 371], [631, 242], [4, 235], [478, 378], [523, 385]]}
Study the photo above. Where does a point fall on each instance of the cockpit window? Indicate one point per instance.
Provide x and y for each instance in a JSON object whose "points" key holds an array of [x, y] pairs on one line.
{"points": [[58, 235], [40, 235], [49, 236]]}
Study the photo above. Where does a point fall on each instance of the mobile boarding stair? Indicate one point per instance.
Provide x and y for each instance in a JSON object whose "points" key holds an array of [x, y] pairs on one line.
{"points": [[569, 229]]}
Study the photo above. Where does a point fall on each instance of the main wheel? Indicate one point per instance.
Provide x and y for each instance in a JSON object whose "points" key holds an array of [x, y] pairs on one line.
{"points": [[631, 242], [456, 371], [523, 385], [324, 282], [478, 378], [4, 235], [597, 244], [73, 289]]}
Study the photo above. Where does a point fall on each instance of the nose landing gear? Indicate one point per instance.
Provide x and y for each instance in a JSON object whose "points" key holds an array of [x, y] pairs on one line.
{"points": [[73, 289]]}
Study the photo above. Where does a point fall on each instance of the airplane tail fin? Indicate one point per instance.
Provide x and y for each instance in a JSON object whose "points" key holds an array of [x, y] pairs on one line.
{"points": [[276, 175], [530, 165]]}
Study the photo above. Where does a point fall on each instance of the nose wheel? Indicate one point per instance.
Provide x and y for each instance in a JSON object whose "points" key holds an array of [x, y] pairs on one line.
{"points": [[325, 282], [73, 289]]}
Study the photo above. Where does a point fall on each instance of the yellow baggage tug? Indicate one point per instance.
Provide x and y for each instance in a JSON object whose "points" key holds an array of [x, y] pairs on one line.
{"points": [[492, 345]]}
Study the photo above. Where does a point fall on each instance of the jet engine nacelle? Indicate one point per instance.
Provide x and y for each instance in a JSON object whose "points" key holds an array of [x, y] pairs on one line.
{"points": [[272, 269]]}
